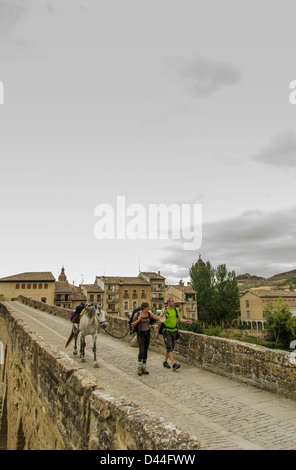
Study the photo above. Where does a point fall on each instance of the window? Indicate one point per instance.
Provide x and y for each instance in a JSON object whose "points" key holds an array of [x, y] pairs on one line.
{"points": [[29, 286], [91, 297], [99, 297], [45, 286], [34, 286], [125, 305], [248, 314], [40, 286], [23, 286], [247, 304], [17, 286]]}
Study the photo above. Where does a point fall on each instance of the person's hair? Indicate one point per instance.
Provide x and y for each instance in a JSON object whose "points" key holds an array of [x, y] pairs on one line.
{"points": [[144, 305], [169, 298]]}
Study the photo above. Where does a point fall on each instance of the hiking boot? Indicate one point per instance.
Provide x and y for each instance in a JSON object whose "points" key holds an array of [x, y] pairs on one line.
{"points": [[140, 369], [144, 370], [176, 366], [165, 364]]}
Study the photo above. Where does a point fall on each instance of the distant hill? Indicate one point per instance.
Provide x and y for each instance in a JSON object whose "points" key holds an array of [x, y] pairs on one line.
{"points": [[285, 281]]}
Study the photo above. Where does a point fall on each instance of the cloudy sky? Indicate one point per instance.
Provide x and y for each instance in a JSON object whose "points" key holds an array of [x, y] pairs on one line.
{"points": [[162, 102]]}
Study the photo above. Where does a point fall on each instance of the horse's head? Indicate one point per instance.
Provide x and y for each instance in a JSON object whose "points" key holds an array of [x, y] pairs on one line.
{"points": [[101, 316]]}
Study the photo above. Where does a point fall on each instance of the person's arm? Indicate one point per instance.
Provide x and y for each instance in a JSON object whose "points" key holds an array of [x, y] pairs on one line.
{"points": [[155, 317], [162, 313], [137, 320], [182, 320]]}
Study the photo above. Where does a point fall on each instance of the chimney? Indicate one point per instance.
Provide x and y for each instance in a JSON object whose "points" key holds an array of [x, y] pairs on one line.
{"points": [[188, 284]]}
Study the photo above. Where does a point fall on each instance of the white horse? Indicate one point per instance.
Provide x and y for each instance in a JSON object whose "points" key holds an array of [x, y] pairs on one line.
{"points": [[93, 317]]}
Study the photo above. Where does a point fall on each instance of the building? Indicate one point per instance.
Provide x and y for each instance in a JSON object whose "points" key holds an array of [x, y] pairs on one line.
{"points": [[157, 283], [36, 285], [185, 299], [121, 294], [67, 295], [93, 293], [254, 302]]}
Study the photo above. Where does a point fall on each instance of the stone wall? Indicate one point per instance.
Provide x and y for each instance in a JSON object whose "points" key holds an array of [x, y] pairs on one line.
{"points": [[48, 401], [265, 368], [255, 365]]}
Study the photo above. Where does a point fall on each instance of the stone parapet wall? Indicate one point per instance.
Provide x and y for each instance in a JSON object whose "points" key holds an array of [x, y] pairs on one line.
{"points": [[48, 401], [256, 365], [265, 368]]}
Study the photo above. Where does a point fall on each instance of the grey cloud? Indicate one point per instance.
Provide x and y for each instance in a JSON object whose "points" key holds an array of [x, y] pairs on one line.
{"points": [[280, 152], [201, 77], [262, 243]]}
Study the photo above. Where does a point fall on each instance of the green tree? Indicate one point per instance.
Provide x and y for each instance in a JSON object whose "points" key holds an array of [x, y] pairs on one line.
{"points": [[203, 281], [227, 295], [280, 322]]}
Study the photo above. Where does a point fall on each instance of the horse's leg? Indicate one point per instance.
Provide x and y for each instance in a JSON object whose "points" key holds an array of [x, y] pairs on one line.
{"points": [[82, 348], [94, 339], [75, 331]]}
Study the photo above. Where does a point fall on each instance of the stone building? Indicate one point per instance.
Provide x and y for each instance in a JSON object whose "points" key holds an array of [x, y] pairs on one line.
{"points": [[67, 295], [157, 283], [93, 293], [185, 299], [254, 302], [36, 285], [122, 294]]}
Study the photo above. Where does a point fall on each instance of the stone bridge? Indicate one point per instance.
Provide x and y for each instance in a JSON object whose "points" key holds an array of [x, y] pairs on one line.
{"points": [[227, 395]]}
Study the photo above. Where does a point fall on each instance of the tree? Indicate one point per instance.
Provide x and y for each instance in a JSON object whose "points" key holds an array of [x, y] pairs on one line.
{"points": [[227, 295], [280, 322], [217, 292], [203, 281]]}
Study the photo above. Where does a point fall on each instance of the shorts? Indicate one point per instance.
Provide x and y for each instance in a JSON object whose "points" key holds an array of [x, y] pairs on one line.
{"points": [[169, 340]]}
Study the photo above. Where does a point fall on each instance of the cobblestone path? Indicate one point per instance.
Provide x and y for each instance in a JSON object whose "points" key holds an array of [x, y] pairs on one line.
{"points": [[222, 413]]}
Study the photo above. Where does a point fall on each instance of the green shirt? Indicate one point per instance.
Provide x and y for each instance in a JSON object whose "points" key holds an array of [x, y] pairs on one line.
{"points": [[171, 319]]}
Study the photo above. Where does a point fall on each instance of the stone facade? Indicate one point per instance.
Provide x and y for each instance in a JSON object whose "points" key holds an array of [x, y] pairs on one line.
{"points": [[37, 285], [253, 303]]}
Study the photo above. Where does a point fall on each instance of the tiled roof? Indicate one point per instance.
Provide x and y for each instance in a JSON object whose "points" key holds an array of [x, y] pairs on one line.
{"points": [[92, 288], [271, 293], [122, 280], [152, 275], [64, 287], [185, 289], [30, 277]]}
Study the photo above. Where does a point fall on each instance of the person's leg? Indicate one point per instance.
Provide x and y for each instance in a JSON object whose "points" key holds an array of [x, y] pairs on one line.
{"points": [[145, 354], [141, 352]]}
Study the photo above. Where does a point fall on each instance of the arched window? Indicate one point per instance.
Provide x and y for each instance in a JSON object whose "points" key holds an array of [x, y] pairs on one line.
{"points": [[34, 286], [45, 286], [17, 286], [23, 286], [29, 286], [40, 286]]}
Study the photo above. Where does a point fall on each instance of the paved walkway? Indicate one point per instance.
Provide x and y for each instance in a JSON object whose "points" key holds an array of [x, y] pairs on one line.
{"points": [[223, 414]]}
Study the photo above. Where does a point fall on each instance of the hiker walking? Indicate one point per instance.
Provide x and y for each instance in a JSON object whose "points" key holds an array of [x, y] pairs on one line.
{"points": [[141, 323], [169, 317]]}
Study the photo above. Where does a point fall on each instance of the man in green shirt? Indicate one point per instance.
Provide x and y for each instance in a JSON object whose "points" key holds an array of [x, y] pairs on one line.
{"points": [[170, 316]]}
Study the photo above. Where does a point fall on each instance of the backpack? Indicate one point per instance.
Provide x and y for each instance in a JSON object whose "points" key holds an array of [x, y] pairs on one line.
{"points": [[163, 325], [135, 328]]}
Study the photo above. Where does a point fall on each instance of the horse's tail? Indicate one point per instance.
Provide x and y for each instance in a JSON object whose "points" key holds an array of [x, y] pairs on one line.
{"points": [[69, 339]]}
